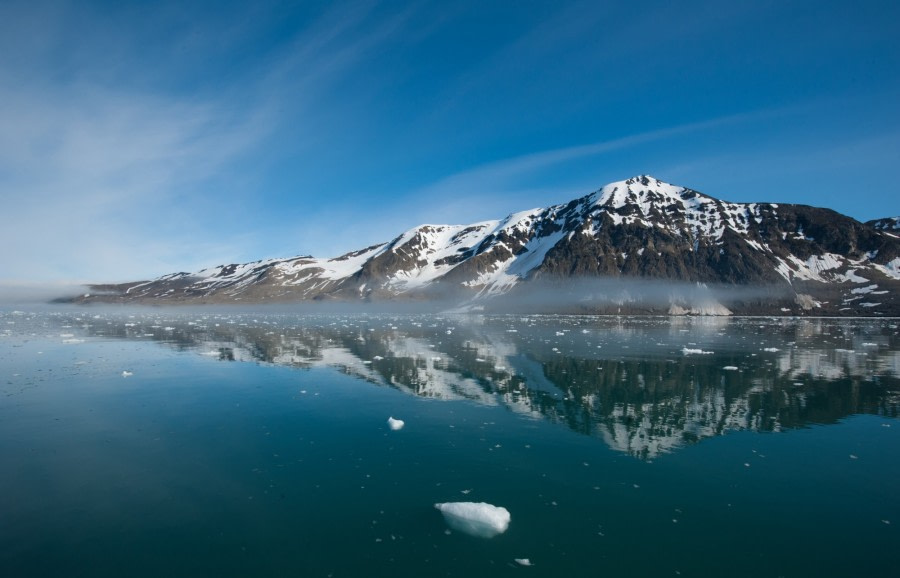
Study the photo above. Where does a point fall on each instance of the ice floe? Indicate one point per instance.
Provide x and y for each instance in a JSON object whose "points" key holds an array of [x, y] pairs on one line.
{"points": [[689, 351], [478, 519], [395, 424]]}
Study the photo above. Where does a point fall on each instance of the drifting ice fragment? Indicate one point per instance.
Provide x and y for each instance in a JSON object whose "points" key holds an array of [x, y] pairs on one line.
{"points": [[127, 374], [395, 424], [688, 351], [476, 519], [523, 562], [730, 368]]}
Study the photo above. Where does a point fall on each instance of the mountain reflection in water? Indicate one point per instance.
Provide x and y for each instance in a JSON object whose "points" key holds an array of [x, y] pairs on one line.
{"points": [[645, 385]]}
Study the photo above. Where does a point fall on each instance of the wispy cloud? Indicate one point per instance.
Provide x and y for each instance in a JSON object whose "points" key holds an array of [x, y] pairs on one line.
{"points": [[97, 179], [508, 175], [107, 179]]}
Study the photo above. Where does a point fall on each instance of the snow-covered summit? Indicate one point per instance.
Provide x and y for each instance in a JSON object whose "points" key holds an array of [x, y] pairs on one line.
{"points": [[639, 190]]}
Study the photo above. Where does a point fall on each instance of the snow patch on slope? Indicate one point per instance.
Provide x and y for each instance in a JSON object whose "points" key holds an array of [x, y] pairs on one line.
{"points": [[891, 269], [331, 269]]}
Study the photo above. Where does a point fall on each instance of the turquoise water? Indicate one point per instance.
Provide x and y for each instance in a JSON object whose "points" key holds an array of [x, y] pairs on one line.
{"points": [[257, 444]]}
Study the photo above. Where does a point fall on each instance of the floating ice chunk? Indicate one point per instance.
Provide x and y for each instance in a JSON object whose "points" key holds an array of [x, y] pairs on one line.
{"points": [[395, 424], [688, 351], [771, 349], [475, 518], [127, 374], [523, 562], [730, 368]]}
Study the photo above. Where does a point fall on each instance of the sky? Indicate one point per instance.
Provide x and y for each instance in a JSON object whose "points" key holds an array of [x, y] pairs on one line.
{"points": [[144, 138]]}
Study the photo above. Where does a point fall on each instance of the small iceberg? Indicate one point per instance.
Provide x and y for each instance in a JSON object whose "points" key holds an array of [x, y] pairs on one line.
{"points": [[475, 518], [523, 562], [395, 424], [689, 351]]}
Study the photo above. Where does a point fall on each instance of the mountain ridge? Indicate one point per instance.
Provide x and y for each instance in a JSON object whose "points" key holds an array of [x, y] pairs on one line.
{"points": [[809, 259]]}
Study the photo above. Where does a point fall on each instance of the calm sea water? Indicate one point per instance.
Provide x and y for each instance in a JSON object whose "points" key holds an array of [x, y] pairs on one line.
{"points": [[207, 443]]}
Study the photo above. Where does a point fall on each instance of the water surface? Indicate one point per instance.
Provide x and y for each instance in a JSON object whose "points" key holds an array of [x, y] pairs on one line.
{"points": [[186, 443]]}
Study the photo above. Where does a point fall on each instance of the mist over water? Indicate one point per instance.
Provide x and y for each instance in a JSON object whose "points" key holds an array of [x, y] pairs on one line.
{"points": [[609, 294], [575, 295], [31, 294]]}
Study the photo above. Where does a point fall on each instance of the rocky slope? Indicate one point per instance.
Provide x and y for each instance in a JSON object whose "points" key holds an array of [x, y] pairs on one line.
{"points": [[701, 254], [887, 224]]}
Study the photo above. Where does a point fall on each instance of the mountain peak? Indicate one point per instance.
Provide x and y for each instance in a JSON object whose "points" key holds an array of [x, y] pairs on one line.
{"points": [[642, 190], [646, 180]]}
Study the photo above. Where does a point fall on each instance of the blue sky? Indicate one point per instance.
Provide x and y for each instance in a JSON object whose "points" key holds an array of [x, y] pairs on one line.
{"points": [[142, 138]]}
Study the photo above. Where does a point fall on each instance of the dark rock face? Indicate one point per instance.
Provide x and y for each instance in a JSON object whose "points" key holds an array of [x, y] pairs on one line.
{"points": [[887, 224], [804, 260]]}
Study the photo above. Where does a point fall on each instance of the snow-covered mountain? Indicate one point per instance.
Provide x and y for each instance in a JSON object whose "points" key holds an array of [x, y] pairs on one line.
{"points": [[806, 258]]}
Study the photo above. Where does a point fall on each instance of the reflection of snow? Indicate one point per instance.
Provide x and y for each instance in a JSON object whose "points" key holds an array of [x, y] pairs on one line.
{"points": [[630, 429], [569, 369]]}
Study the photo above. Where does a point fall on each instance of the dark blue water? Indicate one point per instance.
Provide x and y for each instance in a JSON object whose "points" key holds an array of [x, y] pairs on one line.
{"points": [[258, 445]]}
